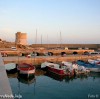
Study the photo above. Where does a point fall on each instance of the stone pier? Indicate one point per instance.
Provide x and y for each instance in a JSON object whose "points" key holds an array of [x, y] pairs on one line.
{"points": [[5, 89], [40, 59]]}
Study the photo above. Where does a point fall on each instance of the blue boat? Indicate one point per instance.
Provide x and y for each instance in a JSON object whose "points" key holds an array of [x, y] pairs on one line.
{"points": [[91, 67]]}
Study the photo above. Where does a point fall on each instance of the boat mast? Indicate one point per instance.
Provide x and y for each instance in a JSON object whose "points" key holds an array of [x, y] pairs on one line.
{"points": [[57, 44], [41, 40], [47, 42], [60, 40], [36, 38], [35, 46]]}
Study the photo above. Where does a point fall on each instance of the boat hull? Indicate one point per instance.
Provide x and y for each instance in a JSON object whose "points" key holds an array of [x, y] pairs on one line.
{"points": [[27, 72], [56, 71], [26, 69], [95, 69], [92, 68], [60, 72]]}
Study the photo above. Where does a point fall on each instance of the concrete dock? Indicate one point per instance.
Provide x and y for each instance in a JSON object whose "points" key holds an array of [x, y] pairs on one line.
{"points": [[5, 89], [40, 59]]}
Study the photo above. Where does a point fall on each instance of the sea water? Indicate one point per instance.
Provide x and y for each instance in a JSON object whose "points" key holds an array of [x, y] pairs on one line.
{"points": [[44, 85], [52, 87]]}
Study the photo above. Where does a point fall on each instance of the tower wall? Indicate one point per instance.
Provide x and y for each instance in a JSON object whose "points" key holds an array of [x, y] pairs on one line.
{"points": [[21, 38]]}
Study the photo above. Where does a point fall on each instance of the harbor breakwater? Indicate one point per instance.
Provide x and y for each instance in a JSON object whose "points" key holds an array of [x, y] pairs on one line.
{"points": [[40, 59], [5, 89]]}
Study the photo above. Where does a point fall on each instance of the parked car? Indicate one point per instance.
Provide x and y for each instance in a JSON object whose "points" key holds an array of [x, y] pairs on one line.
{"points": [[13, 48]]}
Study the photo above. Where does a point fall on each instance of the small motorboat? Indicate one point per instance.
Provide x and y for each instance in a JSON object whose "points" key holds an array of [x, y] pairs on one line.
{"points": [[11, 68], [91, 67], [98, 63], [60, 70], [78, 68], [93, 61], [25, 68]]}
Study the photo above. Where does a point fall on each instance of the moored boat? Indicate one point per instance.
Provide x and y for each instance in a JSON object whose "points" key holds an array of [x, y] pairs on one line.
{"points": [[60, 70], [11, 68], [98, 63], [94, 61], [25, 68], [91, 67], [78, 68]]}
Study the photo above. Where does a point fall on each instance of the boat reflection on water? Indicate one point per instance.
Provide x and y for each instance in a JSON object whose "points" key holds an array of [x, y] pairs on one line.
{"points": [[26, 80], [23, 79], [31, 79], [69, 79], [94, 75], [54, 76]]}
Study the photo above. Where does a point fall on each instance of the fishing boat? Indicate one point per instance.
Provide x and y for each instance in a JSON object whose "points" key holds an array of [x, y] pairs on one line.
{"points": [[60, 70], [74, 66], [11, 68], [25, 68], [91, 67]]}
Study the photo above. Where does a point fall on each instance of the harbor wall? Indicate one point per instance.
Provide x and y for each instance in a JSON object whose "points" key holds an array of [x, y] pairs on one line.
{"points": [[70, 46], [5, 88], [44, 51], [38, 60]]}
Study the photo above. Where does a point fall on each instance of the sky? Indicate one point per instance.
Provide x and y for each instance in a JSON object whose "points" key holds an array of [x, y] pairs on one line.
{"points": [[78, 21]]}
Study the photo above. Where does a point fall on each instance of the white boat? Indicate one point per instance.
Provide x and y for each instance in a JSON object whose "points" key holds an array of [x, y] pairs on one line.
{"points": [[67, 63], [93, 61], [79, 69], [91, 67], [10, 66], [95, 70]]}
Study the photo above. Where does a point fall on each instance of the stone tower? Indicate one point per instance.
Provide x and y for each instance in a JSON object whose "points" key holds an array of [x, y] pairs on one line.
{"points": [[21, 38]]}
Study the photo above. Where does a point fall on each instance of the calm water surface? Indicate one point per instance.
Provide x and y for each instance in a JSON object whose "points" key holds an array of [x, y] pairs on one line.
{"points": [[46, 87], [50, 86]]}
